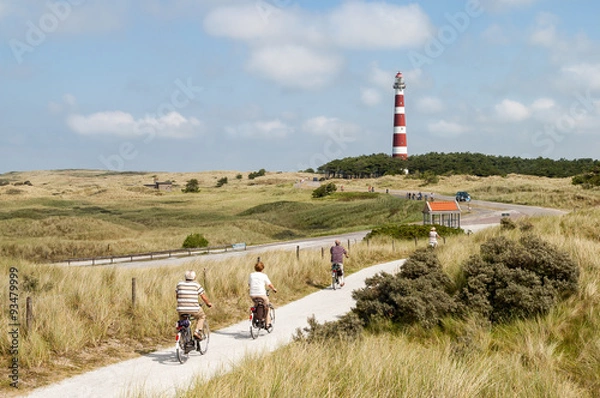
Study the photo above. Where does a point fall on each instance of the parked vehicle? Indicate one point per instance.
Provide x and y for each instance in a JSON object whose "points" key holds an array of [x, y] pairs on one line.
{"points": [[462, 196]]}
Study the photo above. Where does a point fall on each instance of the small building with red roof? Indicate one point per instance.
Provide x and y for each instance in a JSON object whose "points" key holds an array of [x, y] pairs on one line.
{"points": [[441, 212]]}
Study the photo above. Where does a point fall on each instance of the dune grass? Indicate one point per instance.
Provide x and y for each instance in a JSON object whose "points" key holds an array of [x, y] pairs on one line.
{"points": [[74, 212], [110, 219], [556, 355]]}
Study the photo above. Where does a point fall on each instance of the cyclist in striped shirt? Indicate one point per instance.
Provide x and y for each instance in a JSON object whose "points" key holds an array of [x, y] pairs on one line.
{"points": [[188, 303]]}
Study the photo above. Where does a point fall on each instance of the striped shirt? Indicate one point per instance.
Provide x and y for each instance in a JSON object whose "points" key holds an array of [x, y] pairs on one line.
{"points": [[187, 297]]}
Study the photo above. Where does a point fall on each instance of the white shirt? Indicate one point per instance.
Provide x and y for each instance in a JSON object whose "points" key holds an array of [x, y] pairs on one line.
{"points": [[257, 283], [433, 235]]}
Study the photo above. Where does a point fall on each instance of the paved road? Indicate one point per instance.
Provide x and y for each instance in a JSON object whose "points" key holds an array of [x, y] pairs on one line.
{"points": [[160, 374]]}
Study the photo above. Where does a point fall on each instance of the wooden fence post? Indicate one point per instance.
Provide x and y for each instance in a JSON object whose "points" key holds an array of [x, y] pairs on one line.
{"points": [[393, 248], [322, 252], [415, 241], [28, 313], [133, 288], [348, 244], [297, 252]]}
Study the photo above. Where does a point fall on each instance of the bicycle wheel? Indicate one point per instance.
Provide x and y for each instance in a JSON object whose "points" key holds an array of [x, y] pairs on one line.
{"points": [[254, 327], [334, 280], [272, 314], [180, 349], [203, 344]]}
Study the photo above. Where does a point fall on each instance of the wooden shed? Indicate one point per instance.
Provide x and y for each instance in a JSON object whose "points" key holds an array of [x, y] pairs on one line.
{"points": [[161, 185], [442, 213]]}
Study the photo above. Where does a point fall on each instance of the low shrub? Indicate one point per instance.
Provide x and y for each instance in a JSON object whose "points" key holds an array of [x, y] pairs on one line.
{"points": [[420, 293], [348, 327], [324, 190], [221, 182], [194, 240], [411, 231], [510, 279]]}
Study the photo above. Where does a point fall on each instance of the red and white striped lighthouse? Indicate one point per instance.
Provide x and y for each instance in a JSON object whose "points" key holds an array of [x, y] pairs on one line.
{"points": [[399, 149]]}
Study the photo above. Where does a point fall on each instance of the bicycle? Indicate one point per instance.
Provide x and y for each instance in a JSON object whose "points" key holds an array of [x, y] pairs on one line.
{"points": [[186, 342], [336, 275], [258, 317]]}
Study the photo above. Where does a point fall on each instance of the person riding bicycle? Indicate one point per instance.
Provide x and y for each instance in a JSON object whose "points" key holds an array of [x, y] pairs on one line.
{"points": [[338, 252], [257, 282], [187, 301]]}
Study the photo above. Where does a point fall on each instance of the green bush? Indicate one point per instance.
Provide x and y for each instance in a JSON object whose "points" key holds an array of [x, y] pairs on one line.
{"points": [[411, 231], [192, 186], [221, 182], [509, 279], [324, 190], [193, 241], [588, 180], [255, 174], [420, 293]]}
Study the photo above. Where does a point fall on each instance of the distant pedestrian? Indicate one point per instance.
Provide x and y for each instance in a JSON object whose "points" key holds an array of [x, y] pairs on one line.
{"points": [[433, 237]]}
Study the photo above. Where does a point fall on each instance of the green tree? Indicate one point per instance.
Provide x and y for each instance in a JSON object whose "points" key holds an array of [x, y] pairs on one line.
{"points": [[192, 186]]}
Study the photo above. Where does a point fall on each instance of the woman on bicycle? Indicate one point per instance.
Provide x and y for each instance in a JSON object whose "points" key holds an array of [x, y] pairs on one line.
{"points": [[257, 282]]}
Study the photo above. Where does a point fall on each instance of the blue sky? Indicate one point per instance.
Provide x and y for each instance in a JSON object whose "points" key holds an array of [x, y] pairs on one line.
{"points": [[284, 85]]}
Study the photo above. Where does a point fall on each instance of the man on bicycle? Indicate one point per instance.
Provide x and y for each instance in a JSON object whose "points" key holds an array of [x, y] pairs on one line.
{"points": [[187, 301], [338, 252], [257, 282]]}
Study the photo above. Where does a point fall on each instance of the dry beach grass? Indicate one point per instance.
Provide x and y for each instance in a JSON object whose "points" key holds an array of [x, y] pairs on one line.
{"points": [[82, 211]]}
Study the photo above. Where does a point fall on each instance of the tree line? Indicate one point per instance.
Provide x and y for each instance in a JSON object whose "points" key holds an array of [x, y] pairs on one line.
{"points": [[377, 165]]}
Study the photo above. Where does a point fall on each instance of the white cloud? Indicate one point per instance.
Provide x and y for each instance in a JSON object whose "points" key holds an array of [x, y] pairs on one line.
{"points": [[260, 129], [542, 104], [511, 111], [357, 24], [294, 66], [584, 73], [301, 49], [544, 33], [322, 125], [430, 105], [247, 23], [370, 96], [171, 125], [443, 128]]}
